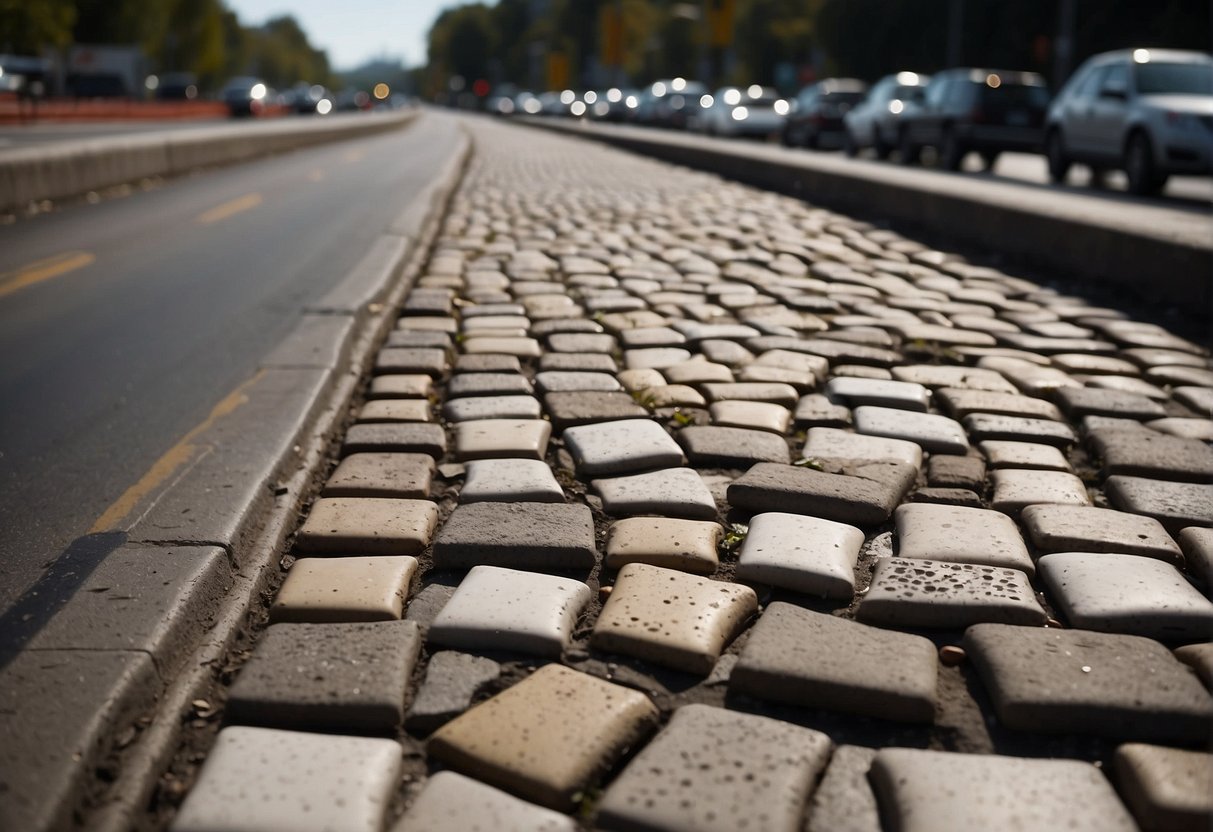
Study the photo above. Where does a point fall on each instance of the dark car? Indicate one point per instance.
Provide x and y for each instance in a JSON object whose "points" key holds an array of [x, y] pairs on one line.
{"points": [[816, 119], [982, 110], [177, 86], [671, 102], [245, 96]]}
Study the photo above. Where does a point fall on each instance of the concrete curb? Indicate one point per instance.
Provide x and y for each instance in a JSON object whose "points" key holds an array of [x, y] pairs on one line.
{"points": [[92, 707], [1063, 232], [67, 169]]}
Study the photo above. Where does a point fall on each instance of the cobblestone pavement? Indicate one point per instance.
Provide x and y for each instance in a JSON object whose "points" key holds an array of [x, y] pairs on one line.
{"points": [[678, 505]]}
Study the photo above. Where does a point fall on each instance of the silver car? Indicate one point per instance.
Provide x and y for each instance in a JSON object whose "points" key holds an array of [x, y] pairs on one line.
{"points": [[874, 122], [1146, 111], [733, 111]]}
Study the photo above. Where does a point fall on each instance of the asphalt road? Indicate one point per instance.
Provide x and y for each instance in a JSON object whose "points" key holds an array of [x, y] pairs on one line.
{"points": [[123, 323]]}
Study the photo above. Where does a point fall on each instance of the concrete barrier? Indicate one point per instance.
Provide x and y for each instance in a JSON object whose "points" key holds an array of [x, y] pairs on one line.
{"points": [[66, 169], [1159, 253]]}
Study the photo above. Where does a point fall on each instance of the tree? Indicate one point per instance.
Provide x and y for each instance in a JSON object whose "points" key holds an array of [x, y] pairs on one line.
{"points": [[27, 28]]}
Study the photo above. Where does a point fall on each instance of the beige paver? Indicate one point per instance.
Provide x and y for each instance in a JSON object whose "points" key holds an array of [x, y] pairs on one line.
{"points": [[344, 589], [367, 525]]}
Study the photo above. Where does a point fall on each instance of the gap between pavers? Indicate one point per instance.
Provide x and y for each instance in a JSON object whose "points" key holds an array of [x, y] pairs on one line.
{"points": [[261, 517]]}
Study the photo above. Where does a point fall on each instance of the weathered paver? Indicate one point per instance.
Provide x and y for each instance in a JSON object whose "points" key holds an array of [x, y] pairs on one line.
{"points": [[451, 680], [1155, 455], [344, 589], [982, 426], [854, 392], [868, 495], [502, 439], [1015, 489], [955, 534], [492, 407], [382, 475], [808, 659], [672, 618], [1127, 594], [672, 492], [621, 447], [504, 609], [938, 791], [510, 480], [1166, 788], [803, 554], [451, 801], [1023, 455], [935, 434], [543, 536], [328, 677], [927, 593], [711, 446], [1174, 504], [843, 800], [1078, 681], [1060, 528], [367, 525], [831, 443], [547, 737], [400, 437], [266, 780], [687, 777], [688, 545], [395, 410]]}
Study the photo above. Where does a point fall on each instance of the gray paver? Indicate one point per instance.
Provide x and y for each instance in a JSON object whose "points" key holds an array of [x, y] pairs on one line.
{"points": [[1174, 504], [951, 471], [1024, 455], [414, 437], [451, 801], [334, 782], [1056, 528], [510, 480], [672, 492], [546, 737], [806, 658], [327, 677], [504, 609], [1016, 489], [831, 443], [451, 680], [844, 801], [1156, 455], [902, 395], [936, 434], [543, 536], [803, 554], [981, 426], [492, 407], [621, 447], [1127, 594], [937, 791], [928, 593], [1197, 544], [1086, 401], [816, 410], [1166, 788], [867, 495], [1078, 681], [488, 384], [712, 446], [382, 475], [672, 618], [687, 779], [955, 534]]}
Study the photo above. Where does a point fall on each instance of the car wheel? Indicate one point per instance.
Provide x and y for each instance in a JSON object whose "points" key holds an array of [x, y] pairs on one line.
{"points": [[849, 145], [883, 149], [989, 159], [1055, 155], [1139, 166], [951, 154], [907, 150], [811, 139]]}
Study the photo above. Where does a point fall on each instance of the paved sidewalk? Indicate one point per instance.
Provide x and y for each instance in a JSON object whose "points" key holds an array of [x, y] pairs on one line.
{"points": [[675, 504]]}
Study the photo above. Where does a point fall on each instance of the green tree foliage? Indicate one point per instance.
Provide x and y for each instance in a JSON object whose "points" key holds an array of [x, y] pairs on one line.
{"points": [[26, 28]]}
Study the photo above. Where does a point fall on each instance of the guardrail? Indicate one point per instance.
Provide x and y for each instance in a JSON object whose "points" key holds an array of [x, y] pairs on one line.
{"points": [[1161, 254], [67, 169]]}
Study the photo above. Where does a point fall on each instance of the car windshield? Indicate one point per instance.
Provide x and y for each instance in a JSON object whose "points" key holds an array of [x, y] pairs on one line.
{"points": [[843, 97], [908, 92], [1015, 95], [1191, 79]]}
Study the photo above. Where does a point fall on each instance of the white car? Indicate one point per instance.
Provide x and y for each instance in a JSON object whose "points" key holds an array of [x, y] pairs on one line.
{"points": [[734, 111], [1146, 111], [874, 122]]}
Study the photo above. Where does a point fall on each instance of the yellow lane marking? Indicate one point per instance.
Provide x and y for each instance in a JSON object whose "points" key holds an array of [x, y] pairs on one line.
{"points": [[172, 461], [230, 208], [316, 175], [44, 270]]}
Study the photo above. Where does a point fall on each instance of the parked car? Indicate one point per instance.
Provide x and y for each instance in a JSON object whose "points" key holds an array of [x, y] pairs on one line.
{"points": [[874, 121], [983, 110], [816, 117], [245, 96], [733, 111], [177, 86], [309, 99], [1146, 111], [614, 104], [671, 102]]}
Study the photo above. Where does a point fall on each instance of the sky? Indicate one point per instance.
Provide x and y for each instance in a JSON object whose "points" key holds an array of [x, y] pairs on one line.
{"points": [[354, 31]]}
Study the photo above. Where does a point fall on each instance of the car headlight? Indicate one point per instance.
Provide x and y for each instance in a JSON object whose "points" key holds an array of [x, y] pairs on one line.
{"points": [[781, 107], [740, 114]]}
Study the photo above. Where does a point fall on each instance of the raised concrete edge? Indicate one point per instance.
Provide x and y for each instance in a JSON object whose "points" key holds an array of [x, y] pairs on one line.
{"points": [[1041, 227], [197, 557], [68, 169]]}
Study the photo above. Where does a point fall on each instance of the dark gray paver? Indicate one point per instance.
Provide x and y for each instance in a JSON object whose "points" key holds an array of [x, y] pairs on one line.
{"points": [[571, 409], [1156, 455], [265, 780], [814, 660], [488, 384], [938, 791], [451, 680], [451, 801], [417, 437], [544, 536], [867, 495], [1166, 788], [1087, 401], [547, 737], [1082, 682], [1058, 528], [951, 471], [1126, 594], [981, 426], [327, 677], [505, 609], [712, 446], [928, 593], [687, 778], [1174, 504]]}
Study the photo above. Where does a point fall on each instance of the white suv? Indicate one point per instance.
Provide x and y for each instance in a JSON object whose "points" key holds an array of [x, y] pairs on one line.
{"points": [[1147, 111]]}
